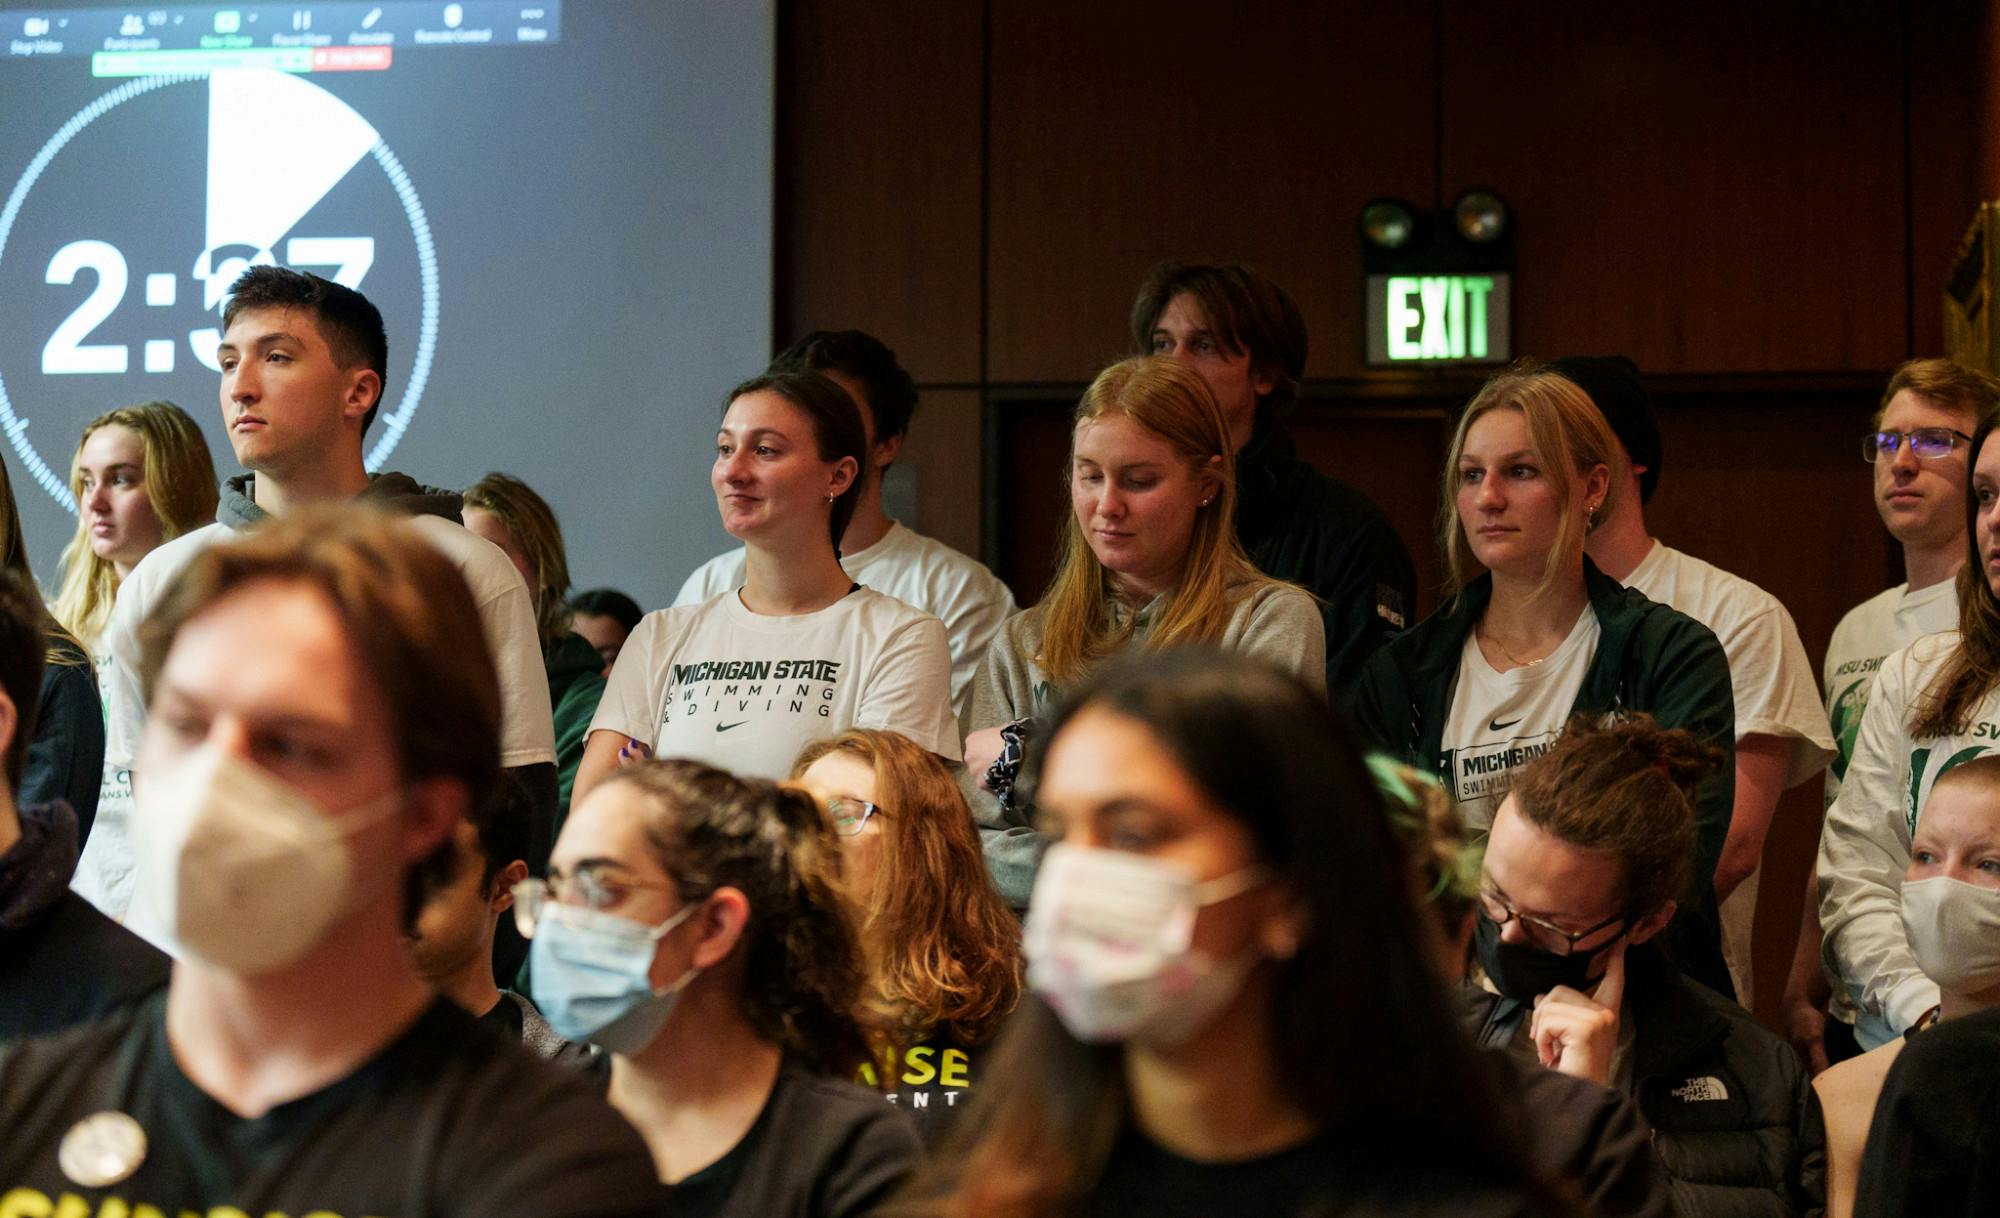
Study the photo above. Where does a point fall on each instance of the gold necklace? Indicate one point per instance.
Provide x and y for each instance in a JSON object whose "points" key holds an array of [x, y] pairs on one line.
{"points": [[1513, 659]]}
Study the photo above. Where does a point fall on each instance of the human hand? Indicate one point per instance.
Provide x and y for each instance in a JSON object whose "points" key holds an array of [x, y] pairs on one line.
{"points": [[632, 752], [1805, 1027], [982, 749], [1576, 1033]]}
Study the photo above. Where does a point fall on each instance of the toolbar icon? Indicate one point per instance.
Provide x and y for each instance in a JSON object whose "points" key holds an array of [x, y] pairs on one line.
{"points": [[454, 14], [133, 26], [228, 21], [35, 27]]}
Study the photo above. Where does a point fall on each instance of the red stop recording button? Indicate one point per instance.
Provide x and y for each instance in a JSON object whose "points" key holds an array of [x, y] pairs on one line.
{"points": [[352, 59]]}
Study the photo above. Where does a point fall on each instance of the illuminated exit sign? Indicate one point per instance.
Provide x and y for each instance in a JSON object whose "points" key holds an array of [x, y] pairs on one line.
{"points": [[1415, 320]]}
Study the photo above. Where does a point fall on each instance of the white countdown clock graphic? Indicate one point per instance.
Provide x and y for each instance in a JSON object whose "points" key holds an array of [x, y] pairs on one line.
{"points": [[100, 233]]}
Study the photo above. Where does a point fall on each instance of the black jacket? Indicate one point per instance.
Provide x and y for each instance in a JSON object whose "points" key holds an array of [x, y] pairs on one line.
{"points": [[1729, 1103], [1649, 659], [1299, 525], [61, 961], [1934, 1146]]}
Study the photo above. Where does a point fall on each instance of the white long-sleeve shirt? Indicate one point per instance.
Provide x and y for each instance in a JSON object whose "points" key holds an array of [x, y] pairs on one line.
{"points": [[1865, 847]]}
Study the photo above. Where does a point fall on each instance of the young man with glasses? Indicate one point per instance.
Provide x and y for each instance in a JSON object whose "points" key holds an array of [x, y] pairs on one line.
{"points": [[1917, 448], [1781, 732], [1582, 867]]}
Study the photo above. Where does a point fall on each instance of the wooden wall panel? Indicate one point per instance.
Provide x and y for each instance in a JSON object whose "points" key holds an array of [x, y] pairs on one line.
{"points": [[879, 178], [943, 450], [1949, 50], [1125, 132], [1715, 188]]}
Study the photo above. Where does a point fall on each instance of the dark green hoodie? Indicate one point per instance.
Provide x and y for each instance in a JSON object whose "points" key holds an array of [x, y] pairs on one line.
{"points": [[1649, 659]]}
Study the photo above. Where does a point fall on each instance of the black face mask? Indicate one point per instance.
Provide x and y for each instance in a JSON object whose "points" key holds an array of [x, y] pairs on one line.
{"points": [[1524, 972]]}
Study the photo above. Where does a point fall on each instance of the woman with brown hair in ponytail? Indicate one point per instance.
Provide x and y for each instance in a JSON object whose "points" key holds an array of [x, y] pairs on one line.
{"points": [[690, 925], [1934, 705]]}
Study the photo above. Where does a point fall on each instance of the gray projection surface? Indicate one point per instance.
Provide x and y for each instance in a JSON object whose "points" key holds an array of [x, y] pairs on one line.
{"points": [[597, 205]]}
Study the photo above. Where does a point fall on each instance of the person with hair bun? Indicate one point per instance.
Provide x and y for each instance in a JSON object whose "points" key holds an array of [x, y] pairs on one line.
{"points": [[1150, 562], [1951, 913], [799, 651], [1577, 1129], [1586, 860], [692, 925], [943, 950], [1935, 705], [1533, 634]]}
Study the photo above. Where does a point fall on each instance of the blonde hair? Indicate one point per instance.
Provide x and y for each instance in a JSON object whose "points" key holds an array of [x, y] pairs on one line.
{"points": [[180, 486], [1170, 402], [532, 523], [1569, 436]]}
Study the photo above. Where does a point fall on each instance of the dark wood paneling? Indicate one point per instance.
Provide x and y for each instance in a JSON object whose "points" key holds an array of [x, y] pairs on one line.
{"points": [[1948, 51], [879, 177], [943, 449], [1712, 188], [1127, 132], [1392, 455], [1030, 494]]}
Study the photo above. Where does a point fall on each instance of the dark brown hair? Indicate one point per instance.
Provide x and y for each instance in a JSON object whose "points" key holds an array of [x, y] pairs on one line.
{"points": [[943, 948], [1269, 754], [22, 642], [1245, 311], [836, 426], [1945, 707], [1627, 788], [411, 621], [349, 322], [802, 973]]}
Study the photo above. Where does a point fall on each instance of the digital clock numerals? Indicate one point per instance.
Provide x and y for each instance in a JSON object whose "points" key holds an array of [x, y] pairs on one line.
{"points": [[69, 351]]}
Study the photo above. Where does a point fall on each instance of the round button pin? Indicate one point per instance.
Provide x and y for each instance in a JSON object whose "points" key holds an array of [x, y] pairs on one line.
{"points": [[102, 1149]]}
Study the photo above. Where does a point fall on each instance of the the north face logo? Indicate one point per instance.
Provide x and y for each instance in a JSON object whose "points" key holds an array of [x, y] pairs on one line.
{"points": [[1696, 1090]]}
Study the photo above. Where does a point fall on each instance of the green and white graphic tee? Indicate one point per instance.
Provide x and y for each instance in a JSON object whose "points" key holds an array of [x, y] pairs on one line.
{"points": [[746, 692], [1500, 721], [1887, 622], [1865, 848]]}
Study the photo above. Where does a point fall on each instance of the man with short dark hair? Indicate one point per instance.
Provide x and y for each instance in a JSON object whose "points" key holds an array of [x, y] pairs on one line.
{"points": [[451, 941], [1782, 738], [61, 961], [876, 550], [303, 364], [1247, 340]]}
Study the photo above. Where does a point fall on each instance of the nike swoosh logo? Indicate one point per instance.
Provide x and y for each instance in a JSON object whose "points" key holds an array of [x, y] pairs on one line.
{"points": [[1497, 726], [723, 727]]}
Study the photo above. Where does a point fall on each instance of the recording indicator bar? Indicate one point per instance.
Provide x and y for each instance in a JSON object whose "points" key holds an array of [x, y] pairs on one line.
{"points": [[277, 59], [110, 36]]}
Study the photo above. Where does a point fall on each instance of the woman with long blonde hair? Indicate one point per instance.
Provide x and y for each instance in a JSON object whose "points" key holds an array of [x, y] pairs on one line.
{"points": [[1534, 634], [943, 950], [1150, 560], [141, 476]]}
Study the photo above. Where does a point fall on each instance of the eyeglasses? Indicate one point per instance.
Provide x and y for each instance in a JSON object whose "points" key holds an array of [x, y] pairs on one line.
{"points": [[850, 814], [1547, 935], [1927, 442], [599, 886]]}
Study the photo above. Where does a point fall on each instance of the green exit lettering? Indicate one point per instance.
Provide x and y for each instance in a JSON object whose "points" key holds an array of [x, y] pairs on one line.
{"points": [[1438, 316]]}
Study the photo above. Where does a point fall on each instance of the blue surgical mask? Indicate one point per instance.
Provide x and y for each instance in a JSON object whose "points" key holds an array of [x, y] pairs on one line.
{"points": [[591, 976]]}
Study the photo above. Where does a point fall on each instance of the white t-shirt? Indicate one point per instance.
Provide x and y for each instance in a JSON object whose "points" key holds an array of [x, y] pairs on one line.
{"points": [[109, 855], [1500, 721], [1886, 622], [1772, 680], [527, 734], [917, 570], [746, 692]]}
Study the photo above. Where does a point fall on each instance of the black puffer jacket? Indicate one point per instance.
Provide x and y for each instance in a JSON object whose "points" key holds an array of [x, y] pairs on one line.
{"points": [[1299, 525], [1728, 1101]]}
